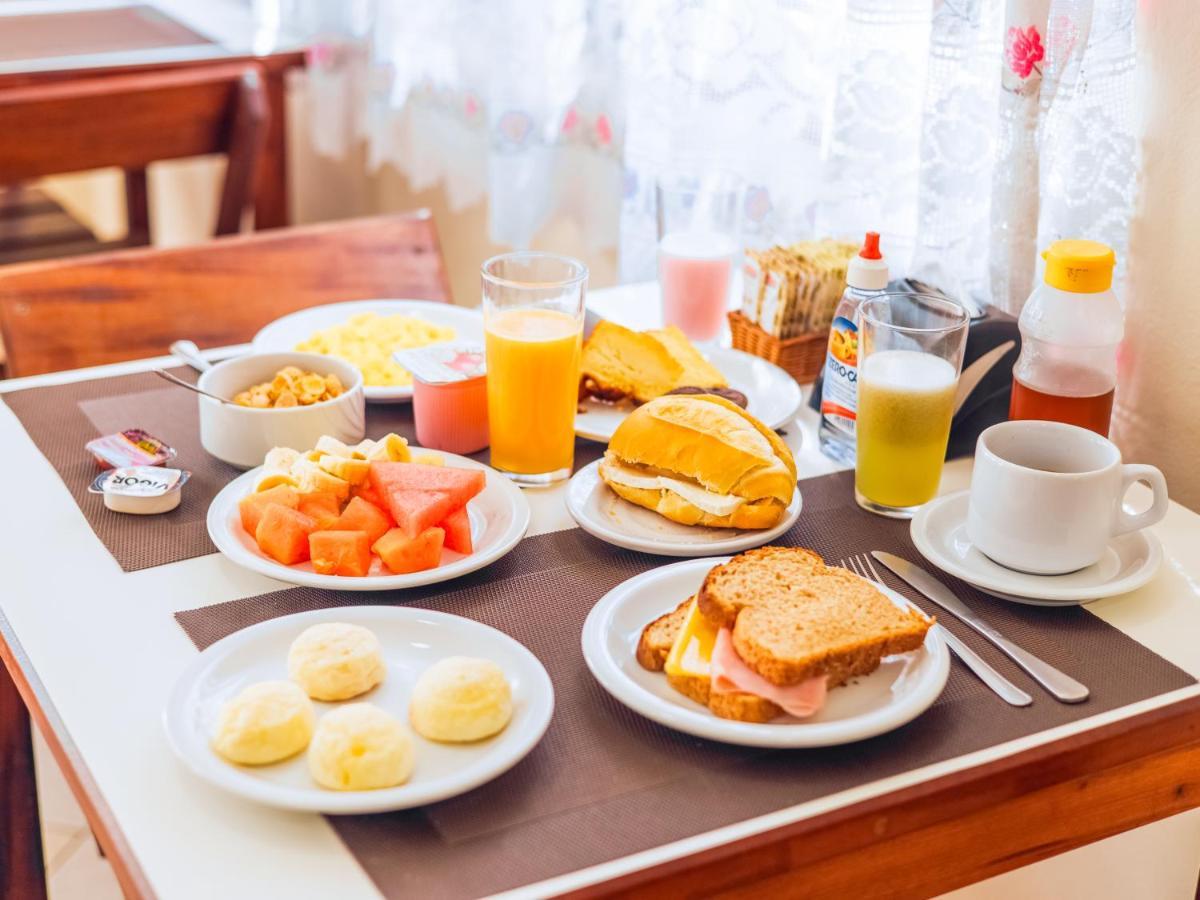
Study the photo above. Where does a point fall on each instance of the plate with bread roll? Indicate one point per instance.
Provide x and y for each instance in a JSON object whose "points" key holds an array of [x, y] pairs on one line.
{"points": [[688, 475], [622, 369], [769, 648]]}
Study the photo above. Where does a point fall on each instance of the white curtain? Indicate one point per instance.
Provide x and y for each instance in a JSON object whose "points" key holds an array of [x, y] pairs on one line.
{"points": [[969, 132]]}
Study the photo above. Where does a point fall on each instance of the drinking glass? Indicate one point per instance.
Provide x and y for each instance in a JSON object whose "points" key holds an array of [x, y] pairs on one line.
{"points": [[910, 356], [533, 326], [699, 240]]}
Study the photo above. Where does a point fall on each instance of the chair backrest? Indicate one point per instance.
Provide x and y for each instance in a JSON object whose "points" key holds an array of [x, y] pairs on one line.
{"points": [[130, 121], [108, 307]]}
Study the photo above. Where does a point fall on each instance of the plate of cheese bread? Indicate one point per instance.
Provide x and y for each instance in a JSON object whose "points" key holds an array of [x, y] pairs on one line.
{"points": [[621, 369], [358, 709], [769, 648], [688, 475]]}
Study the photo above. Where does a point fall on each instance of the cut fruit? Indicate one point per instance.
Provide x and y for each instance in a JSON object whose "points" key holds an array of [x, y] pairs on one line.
{"points": [[359, 515], [368, 493], [457, 526], [403, 554], [283, 532], [252, 506], [322, 506], [461, 484], [340, 552], [414, 511]]}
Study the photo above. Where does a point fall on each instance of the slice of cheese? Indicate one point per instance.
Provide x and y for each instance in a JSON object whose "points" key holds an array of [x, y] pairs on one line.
{"points": [[691, 654], [717, 504]]}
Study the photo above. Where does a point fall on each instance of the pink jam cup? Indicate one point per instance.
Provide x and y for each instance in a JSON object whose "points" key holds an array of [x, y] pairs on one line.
{"points": [[451, 416]]}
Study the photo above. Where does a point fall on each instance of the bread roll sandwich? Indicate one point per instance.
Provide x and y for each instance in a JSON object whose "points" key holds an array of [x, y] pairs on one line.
{"points": [[772, 631], [698, 459]]}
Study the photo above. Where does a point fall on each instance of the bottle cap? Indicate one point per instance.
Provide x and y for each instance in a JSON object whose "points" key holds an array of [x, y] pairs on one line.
{"points": [[868, 270], [1081, 267]]}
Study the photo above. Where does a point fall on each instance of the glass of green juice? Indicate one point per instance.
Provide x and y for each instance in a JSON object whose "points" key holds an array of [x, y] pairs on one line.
{"points": [[910, 356]]}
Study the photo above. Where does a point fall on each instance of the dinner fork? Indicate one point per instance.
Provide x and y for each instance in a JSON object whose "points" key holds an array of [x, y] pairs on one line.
{"points": [[862, 566]]}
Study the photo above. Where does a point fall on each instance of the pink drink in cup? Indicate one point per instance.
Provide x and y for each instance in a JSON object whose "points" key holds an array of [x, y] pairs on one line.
{"points": [[694, 270]]}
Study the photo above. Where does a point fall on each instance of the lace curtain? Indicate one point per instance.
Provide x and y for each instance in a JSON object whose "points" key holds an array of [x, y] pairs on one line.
{"points": [[969, 132]]}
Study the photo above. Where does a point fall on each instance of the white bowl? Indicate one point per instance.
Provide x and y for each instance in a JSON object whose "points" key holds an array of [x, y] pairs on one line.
{"points": [[242, 435]]}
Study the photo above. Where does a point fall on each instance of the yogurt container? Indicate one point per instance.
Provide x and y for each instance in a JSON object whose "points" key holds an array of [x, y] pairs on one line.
{"points": [[140, 490], [449, 396]]}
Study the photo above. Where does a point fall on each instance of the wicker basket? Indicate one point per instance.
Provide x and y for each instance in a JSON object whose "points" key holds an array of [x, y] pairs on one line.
{"points": [[801, 357]]}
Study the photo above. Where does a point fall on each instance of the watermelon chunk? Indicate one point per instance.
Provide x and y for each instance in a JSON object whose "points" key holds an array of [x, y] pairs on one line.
{"points": [[322, 506], [403, 554], [457, 526], [461, 484], [368, 493], [283, 532], [340, 552], [414, 511], [252, 506], [359, 515]]}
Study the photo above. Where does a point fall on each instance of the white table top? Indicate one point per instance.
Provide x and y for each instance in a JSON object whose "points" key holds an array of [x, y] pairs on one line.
{"points": [[107, 650]]}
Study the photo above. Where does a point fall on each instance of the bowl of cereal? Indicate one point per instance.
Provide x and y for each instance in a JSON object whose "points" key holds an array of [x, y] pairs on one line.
{"points": [[279, 400], [366, 333]]}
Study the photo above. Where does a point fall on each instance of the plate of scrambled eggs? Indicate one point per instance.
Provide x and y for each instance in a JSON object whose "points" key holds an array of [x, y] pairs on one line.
{"points": [[367, 332]]}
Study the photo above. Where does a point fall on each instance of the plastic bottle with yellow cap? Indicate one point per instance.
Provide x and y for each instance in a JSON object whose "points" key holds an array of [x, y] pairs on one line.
{"points": [[1070, 326]]}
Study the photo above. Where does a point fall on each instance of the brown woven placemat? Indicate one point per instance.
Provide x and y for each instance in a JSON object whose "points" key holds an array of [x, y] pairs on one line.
{"points": [[605, 782], [61, 419]]}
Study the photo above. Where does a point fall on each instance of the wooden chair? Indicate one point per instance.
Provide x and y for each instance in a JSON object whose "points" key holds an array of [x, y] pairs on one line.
{"points": [[91, 310], [130, 121]]}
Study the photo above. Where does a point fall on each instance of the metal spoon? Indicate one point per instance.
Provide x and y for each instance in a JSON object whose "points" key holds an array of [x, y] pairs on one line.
{"points": [[190, 354], [174, 379]]}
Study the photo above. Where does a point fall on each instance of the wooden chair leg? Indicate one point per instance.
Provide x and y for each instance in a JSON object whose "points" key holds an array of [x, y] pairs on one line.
{"points": [[270, 199], [137, 208], [22, 868]]}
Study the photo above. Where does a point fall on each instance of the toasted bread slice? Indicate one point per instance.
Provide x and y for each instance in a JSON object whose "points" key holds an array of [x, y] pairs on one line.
{"points": [[657, 637], [795, 618], [655, 644], [619, 363]]}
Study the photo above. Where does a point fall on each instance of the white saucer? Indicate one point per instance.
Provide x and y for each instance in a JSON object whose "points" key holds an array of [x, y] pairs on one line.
{"points": [[939, 531], [772, 395], [902, 688], [601, 513]]}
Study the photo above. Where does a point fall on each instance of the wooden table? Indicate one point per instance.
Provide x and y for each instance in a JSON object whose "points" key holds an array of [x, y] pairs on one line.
{"points": [[55, 40], [94, 652]]}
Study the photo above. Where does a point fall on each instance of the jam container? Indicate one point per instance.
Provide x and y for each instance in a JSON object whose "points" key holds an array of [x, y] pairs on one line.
{"points": [[131, 447], [449, 396], [141, 490]]}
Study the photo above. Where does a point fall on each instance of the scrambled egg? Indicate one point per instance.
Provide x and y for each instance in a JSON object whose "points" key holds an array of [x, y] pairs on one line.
{"points": [[368, 339]]}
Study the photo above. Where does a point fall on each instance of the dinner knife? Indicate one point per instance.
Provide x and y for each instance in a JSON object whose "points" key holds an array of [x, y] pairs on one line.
{"points": [[1062, 686]]}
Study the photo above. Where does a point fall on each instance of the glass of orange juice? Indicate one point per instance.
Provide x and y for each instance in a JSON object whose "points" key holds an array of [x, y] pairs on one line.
{"points": [[533, 323]]}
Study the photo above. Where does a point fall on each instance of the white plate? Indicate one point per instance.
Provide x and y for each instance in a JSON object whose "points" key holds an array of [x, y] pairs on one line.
{"points": [[412, 640], [287, 332], [772, 395], [902, 688], [939, 531], [601, 513], [499, 518]]}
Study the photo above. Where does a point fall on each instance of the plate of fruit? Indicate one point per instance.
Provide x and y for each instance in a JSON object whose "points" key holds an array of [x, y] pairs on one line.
{"points": [[374, 516]]}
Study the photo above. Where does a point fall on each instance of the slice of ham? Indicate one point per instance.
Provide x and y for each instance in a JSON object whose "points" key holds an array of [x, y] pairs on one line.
{"points": [[730, 674]]}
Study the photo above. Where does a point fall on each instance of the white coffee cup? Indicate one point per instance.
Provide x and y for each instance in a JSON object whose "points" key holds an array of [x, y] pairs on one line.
{"points": [[1047, 497]]}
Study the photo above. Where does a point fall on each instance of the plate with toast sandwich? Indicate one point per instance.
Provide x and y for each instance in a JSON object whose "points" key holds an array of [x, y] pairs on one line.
{"points": [[688, 475], [621, 369], [769, 648]]}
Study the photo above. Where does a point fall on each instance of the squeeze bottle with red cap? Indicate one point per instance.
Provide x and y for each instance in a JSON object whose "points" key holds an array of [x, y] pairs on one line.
{"points": [[1071, 327], [866, 277]]}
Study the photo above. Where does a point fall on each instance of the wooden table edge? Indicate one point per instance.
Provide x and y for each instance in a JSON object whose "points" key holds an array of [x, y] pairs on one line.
{"points": [[117, 850], [778, 861]]}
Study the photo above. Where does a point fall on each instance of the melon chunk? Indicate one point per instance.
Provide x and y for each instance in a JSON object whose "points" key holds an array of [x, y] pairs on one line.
{"points": [[340, 552], [252, 506], [283, 532], [359, 515], [462, 484], [322, 506], [457, 526], [402, 554]]}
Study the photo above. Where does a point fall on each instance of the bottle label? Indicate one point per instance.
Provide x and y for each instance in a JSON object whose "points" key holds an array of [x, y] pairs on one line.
{"points": [[839, 394]]}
